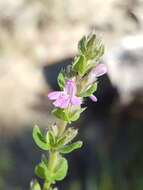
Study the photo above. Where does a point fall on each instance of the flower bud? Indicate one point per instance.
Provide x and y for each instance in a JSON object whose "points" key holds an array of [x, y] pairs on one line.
{"points": [[97, 71]]}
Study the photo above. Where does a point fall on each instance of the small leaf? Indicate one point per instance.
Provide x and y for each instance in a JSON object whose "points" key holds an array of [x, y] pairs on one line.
{"points": [[81, 45], [61, 170], [41, 170], [79, 65], [75, 116], [101, 51], [69, 148], [61, 79], [90, 91], [61, 141], [91, 41], [39, 139], [44, 159], [61, 114], [34, 185], [50, 137]]}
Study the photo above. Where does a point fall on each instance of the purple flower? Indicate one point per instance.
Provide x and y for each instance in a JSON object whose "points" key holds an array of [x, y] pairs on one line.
{"points": [[99, 70], [65, 97]]}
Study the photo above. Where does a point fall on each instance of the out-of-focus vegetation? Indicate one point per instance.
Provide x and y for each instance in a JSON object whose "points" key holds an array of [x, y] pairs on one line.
{"points": [[37, 38]]}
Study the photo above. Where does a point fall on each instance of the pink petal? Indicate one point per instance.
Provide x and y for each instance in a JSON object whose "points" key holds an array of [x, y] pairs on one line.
{"points": [[75, 101], [99, 70], [62, 102], [93, 98], [70, 87], [54, 95]]}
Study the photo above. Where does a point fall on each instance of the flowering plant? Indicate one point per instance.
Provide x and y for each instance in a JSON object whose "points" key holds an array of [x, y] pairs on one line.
{"points": [[77, 81]]}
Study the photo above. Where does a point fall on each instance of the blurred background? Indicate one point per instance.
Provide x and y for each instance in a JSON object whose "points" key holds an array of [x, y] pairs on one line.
{"points": [[37, 38]]}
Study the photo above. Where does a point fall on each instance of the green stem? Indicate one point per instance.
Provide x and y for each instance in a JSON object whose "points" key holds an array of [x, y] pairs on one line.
{"points": [[46, 185], [62, 127], [51, 166]]}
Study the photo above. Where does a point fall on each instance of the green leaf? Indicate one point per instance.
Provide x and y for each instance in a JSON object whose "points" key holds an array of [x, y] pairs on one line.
{"points": [[101, 51], [61, 170], [60, 141], [90, 91], [69, 148], [50, 137], [80, 65], [61, 113], [81, 45], [44, 159], [41, 170], [61, 79], [75, 116], [39, 139], [91, 41], [34, 185]]}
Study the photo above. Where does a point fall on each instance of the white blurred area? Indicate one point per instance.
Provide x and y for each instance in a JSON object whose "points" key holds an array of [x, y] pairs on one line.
{"points": [[34, 33]]}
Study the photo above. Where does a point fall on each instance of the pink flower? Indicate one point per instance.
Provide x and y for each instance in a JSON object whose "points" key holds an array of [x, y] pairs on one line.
{"points": [[93, 98], [65, 97], [99, 70]]}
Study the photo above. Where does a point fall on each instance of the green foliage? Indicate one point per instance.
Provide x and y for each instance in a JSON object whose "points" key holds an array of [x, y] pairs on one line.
{"points": [[50, 137], [39, 139], [80, 65], [34, 185], [90, 50], [60, 141], [76, 114], [89, 91], [94, 47], [82, 45], [61, 79], [60, 171], [91, 47], [61, 113], [57, 138], [69, 148], [41, 170]]}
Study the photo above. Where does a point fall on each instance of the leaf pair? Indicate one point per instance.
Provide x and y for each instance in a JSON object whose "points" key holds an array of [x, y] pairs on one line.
{"points": [[44, 142], [57, 174]]}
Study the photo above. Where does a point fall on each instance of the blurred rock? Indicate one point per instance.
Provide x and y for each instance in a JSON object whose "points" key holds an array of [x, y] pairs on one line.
{"points": [[126, 68], [23, 100]]}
